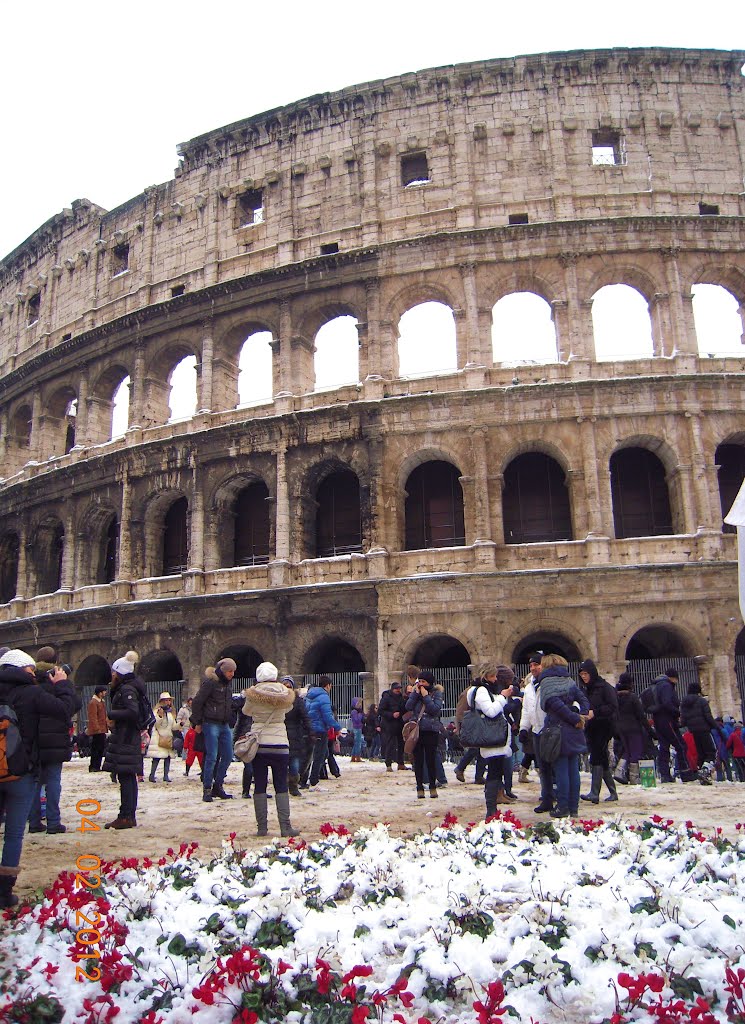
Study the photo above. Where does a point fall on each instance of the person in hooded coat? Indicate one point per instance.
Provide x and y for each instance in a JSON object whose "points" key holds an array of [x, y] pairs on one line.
{"points": [[124, 749], [633, 728], [30, 702], [600, 729], [696, 716], [567, 706], [211, 713]]}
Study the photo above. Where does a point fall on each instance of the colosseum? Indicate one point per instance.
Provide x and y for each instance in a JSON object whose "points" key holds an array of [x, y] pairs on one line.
{"points": [[473, 466]]}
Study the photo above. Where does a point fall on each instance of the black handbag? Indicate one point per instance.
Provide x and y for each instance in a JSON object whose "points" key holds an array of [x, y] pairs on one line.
{"points": [[478, 730], [549, 743]]}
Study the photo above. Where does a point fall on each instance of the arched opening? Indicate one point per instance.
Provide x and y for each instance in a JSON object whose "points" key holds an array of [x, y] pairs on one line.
{"points": [[120, 409], [255, 369], [730, 463], [441, 651], [20, 426], [48, 549], [334, 655], [110, 553], [522, 330], [160, 666], [535, 500], [336, 360], [434, 507], [621, 324], [654, 649], [92, 671], [547, 642], [71, 414], [426, 340], [182, 397], [641, 503], [10, 547], [338, 516], [176, 538], [716, 314], [251, 523], [247, 660], [740, 668]]}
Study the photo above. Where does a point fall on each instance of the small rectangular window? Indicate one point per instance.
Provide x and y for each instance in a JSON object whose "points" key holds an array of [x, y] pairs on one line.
{"points": [[708, 209], [119, 259], [518, 218], [607, 149], [414, 169], [177, 290], [329, 249], [33, 309], [251, 208]]}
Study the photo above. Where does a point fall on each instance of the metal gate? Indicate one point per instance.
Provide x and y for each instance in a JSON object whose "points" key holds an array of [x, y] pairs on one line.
{"points": [[153, 689]]}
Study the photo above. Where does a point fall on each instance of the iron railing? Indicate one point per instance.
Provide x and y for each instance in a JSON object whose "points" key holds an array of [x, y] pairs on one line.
{"points": [[153, 689]]}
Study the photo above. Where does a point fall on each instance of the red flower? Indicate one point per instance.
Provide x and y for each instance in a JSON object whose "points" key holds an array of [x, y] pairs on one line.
{"points": [[361, 1013]]}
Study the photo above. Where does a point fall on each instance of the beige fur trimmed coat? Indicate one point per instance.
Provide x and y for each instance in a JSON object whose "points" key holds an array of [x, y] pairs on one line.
{"points": [[267, 704]]}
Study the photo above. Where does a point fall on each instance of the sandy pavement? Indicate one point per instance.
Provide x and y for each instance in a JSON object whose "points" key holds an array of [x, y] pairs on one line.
{"points": [[171, 814]]}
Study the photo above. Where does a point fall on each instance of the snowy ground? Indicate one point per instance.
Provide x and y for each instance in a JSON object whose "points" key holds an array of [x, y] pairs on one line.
{"points": [[421, 920]]}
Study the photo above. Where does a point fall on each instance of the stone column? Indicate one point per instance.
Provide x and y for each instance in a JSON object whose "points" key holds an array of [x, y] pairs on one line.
{"points": [[362, 350], [682, 330], [475, 342], [37, 428], [82, 424], [581, 342], [560, 318], [124, 566], [137, 390], [662, 342], [705, 483], [596, 502], [205, 369], [67, 575], [196, 533], [22, 582], [283, 520], [461, 339], [680, 478], [282, 353]]}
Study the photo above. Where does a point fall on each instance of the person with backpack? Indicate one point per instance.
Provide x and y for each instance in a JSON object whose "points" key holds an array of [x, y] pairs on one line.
{"points": [[696, 716], [130, 714], [211, 713], [22, 705], [666, 716]]}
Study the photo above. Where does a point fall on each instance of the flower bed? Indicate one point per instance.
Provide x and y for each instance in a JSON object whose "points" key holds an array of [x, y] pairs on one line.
{"points": [[576, 922]]}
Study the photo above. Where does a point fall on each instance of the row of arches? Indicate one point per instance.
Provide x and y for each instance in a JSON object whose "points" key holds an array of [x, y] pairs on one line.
{"points": [[536, 507], [523, 331]]}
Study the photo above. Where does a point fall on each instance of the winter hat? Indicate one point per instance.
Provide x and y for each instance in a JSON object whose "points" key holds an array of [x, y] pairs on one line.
{"points": [[427, 677], [226, 663], [123, 667], [396, 685], [625, 681], [266, 672], [132, 656], [46, 654], [694, 687], [18, 659], [101, 688], [288, 679], [535, 658], [505, 676]]}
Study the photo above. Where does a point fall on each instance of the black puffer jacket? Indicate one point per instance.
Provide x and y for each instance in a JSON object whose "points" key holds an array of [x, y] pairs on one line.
{"points": [[213, 702], [695, 714], [603, 701], [31, 703], [389, 703], [124, 749], [299, 732], [55, 742]]}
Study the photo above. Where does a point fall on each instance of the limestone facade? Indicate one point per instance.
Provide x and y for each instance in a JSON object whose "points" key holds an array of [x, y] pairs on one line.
{"points": [[288, 219]]}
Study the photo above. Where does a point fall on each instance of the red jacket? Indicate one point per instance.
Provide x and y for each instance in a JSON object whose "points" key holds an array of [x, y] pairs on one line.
{"points": [[735, 743]]}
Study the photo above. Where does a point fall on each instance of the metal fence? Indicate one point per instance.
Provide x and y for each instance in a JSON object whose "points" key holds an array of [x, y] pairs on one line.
{"points": [[645, 671], [345, 686], [153, 690], [740, 673]]}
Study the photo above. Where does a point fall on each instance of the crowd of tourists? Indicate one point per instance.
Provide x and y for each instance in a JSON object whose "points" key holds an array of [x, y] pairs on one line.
{"points": [[504, 725]]}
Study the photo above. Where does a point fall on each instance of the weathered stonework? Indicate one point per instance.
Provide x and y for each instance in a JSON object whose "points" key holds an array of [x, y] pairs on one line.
{"points": [[93, 296]]}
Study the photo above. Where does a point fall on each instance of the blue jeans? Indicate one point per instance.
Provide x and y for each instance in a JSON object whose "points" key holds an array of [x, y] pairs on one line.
{"points": [[218, 752], [320, 753], [15, 801], [566, 775], [358, 742], [50, 776]]}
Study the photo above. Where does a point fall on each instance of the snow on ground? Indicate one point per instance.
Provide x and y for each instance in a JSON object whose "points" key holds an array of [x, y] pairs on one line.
{"points": [[420, 919]]}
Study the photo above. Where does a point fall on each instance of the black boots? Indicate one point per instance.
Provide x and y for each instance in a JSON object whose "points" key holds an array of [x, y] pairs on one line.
{"points": [[219, 792], [7, 881], [593, 796]]}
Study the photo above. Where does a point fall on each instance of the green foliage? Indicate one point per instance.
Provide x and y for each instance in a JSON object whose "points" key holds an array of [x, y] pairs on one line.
{"points": [[273, 933], [477, 922], [39, 1010]]}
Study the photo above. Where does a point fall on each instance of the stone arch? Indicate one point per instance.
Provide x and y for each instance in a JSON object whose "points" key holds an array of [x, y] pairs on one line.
{"points": [[502, 282], [10, 548], [92, 545], [332, 653], [536, 500], [427, 340], [338, 526], [723, 274], [232, 334], [624, 273], [59, 421], [156, 508], [246, 658], [622, 323], [94, 670], [536, 444], [549, 635], [640, 480], [524, 320], [162, 665], [158, 392], [100, 405], [305, 497], [423, 289], [20, 425], [46, 549], [644, 640], [718, 320], [336, 360], [317, 315], [729, 459], [434, 507], [440, 650]]}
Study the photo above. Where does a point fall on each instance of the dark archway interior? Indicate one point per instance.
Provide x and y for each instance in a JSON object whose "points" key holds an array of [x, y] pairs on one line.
{"points": [[656, 642], [160, 666], [247, 660], [549, 643], [92, 671], [730, 461], [441, 651], [335, 655], [740, 643]]}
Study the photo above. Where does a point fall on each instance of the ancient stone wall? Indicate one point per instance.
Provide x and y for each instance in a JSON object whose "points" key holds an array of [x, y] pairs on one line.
{"points": [[552, 174]]}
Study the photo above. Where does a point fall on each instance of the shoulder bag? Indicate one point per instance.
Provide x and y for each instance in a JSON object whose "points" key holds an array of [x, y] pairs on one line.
{"points": [[411, 733], [246, 747], [479, 730], [549, 743]]}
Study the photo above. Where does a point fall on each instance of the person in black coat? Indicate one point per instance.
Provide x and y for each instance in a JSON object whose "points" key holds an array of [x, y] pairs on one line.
{"points": [[124, 749], [599, 729], [633, 729], [696, 716], [299, 737], [391, 713], [55, 747], [210, 715], [30, 702], [666, 717]]}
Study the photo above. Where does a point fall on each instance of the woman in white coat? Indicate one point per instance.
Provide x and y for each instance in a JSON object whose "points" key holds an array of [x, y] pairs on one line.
{"points": [[489, 695], [161, 739]]}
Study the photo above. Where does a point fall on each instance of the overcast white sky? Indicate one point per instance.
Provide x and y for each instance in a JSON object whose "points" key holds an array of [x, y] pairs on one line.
{"points": [[96, 96]]}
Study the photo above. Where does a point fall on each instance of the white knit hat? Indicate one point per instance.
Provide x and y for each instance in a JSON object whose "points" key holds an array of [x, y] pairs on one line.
{"points": [[266, 672], [19, 659], [123, 667]]}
